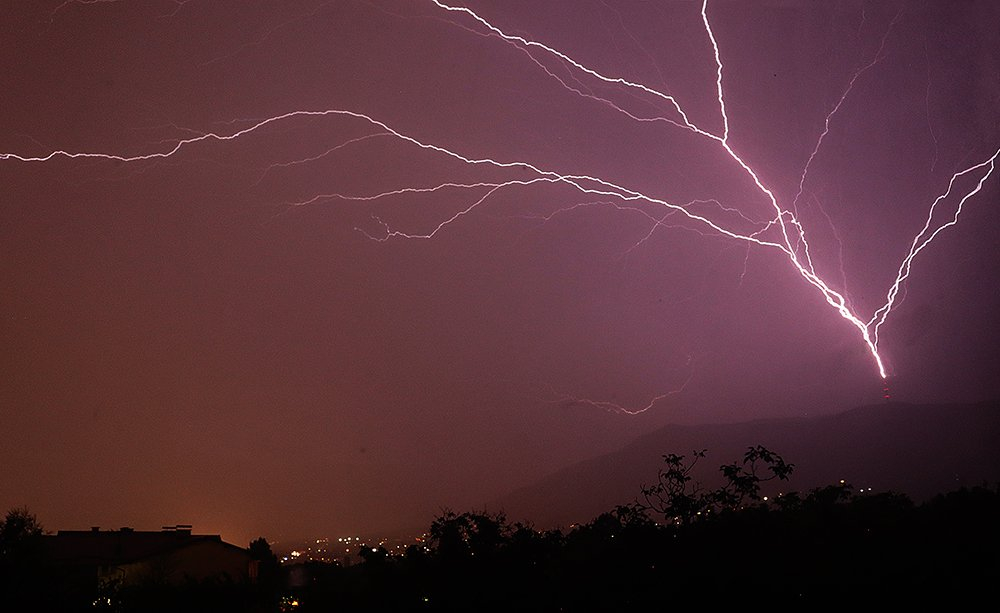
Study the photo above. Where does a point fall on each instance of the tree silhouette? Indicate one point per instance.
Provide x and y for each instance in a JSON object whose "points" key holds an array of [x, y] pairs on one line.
{"points": [[269, 573], [726, 546], [457, 536], [681, 500], [19, 533], [20, 559]]}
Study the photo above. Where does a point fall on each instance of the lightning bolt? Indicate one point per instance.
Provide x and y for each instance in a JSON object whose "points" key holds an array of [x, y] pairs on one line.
{"points": [[178, 5], [783, 232]]}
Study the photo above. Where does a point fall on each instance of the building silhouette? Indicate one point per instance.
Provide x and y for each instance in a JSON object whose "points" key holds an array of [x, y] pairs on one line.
{"points": [[127, 557]]}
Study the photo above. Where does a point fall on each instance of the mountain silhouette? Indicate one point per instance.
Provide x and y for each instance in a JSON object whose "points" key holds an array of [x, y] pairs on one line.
{"points": [[919, 450]]}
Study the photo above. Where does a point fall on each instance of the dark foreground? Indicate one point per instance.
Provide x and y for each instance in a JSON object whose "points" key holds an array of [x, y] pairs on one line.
{"points": [[830, 548]]}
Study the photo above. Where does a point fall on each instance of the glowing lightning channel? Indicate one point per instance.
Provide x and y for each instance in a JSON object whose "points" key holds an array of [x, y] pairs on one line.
{"points": [[562, 56], [178, 5], [791, 230], [832, 297], [617, 408], [926, 235], [806, 270]]}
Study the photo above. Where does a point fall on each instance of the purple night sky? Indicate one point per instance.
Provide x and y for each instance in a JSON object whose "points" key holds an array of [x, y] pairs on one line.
{"points": [[215, 337]]}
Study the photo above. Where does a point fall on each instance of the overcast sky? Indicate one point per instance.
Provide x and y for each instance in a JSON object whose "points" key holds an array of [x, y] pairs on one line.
{"points": [[216, 337]]}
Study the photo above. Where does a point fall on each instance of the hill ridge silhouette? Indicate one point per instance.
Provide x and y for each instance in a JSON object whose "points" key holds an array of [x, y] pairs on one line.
{"points": [[916, 449]]}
